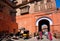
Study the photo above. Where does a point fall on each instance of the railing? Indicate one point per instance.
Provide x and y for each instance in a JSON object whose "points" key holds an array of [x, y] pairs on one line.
{"points": [[28, 1], [49, 5], [43, 7]]}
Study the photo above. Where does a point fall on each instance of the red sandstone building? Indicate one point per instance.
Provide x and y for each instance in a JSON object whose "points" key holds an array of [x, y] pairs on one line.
{"points": [[7, 16], [31, 15]]}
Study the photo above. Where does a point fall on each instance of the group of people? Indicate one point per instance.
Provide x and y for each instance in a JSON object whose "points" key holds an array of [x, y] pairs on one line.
{"points": [[45, 32]]}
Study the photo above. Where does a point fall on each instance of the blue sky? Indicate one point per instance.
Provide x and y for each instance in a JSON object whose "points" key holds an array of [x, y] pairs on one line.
{"points": [[58, 3]]}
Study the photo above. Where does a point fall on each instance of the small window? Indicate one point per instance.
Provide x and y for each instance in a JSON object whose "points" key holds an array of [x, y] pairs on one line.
{"points": [[24, 1], [13, 12], [38, 0], [48, 0], [57, 8], [24, 10], [1, 7], [13, 15], [41, 1], [31, 0], [36, 7], [11, 0]]}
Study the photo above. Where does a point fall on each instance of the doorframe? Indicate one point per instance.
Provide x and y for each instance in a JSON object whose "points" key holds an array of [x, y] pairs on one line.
{"points": [[46, 22]]}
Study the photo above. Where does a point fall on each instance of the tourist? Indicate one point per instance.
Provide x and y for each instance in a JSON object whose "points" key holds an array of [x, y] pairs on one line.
{"points": [[40, 34], [50, 36]]}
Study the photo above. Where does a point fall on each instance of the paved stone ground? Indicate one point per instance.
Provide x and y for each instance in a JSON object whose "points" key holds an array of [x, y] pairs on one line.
{"points": [[35, 39]]}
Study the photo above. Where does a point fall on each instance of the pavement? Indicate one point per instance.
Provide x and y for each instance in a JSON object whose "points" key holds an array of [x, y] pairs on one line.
{"points": [[35, 39]]}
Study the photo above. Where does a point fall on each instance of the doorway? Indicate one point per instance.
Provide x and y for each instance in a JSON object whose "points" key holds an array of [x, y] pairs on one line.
{"points": [[42, 23]]}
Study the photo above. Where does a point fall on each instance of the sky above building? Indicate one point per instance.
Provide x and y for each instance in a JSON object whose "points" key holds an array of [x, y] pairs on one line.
{"points": [[58, 3]]}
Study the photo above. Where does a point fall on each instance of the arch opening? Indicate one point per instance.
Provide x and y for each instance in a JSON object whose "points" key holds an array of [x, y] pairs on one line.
{"points": [[42, 23]]}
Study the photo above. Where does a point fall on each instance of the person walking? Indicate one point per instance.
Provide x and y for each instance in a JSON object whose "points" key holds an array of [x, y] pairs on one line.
{"points": [[40, 34], [50, 36], [46, 34]]}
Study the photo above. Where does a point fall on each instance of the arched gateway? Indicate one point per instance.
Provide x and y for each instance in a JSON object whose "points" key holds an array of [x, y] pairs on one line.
{"points": [[44, 21]]}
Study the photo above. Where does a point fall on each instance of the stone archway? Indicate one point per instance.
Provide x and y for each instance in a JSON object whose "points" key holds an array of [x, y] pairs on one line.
{"points": [[42, 21]]}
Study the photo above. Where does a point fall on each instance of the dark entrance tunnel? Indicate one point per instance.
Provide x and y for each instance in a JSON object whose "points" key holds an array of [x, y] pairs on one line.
{"points": [[42, 22]]}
